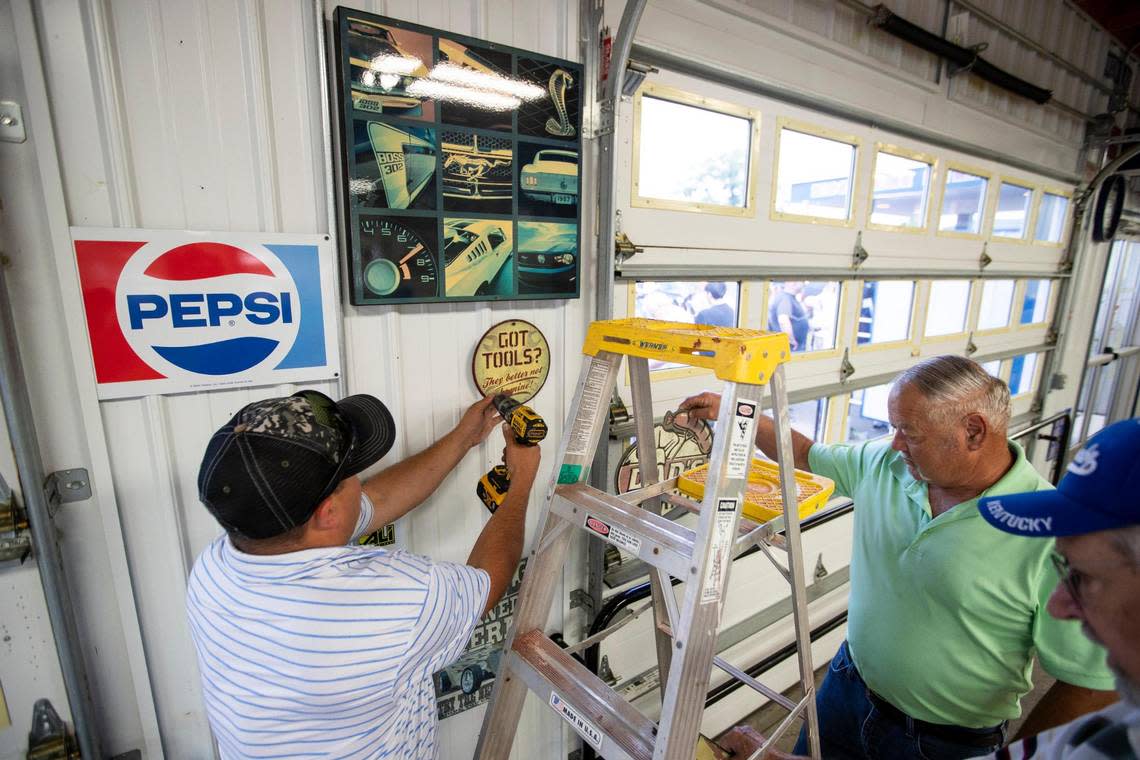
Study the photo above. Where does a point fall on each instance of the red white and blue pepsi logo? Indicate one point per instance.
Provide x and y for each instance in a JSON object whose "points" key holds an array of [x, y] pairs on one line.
{"points": [[203, 309]]}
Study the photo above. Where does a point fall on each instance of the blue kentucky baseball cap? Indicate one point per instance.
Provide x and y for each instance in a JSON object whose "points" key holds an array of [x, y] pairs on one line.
{"points": [[1099, 491]]}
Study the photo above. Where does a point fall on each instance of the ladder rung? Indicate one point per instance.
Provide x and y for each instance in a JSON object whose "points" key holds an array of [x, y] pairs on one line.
{"points": [[648, 536], [556, 677]]}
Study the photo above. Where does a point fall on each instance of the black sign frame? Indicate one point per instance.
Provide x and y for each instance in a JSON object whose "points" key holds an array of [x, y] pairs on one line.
{"points": [[424, 201]]}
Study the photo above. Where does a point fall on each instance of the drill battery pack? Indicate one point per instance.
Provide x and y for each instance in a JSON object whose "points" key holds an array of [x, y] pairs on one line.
{"points": [[493, 487]]}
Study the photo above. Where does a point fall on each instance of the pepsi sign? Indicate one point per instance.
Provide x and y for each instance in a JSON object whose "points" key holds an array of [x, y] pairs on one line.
{"points": [[172, 311]]}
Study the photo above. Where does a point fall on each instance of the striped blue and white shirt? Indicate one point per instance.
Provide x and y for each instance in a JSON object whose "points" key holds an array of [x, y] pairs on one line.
{"points": [[327, 652]]}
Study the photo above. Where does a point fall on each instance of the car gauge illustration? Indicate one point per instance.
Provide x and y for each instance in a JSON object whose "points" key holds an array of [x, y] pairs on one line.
{"points": [[398, 260]]}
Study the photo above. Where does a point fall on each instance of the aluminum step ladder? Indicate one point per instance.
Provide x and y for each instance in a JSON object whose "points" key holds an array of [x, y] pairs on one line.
{"points": [[746, 361]]}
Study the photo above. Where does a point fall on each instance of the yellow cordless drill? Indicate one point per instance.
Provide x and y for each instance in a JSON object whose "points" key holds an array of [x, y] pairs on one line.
{"points": [[529, 430]]}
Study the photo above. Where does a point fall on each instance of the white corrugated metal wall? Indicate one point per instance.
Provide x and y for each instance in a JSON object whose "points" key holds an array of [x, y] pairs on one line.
{"points": [[205, 114]]}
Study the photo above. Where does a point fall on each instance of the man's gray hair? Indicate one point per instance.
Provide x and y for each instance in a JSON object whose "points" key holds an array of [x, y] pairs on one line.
{"points": [[957, 386], [1127, 540]]}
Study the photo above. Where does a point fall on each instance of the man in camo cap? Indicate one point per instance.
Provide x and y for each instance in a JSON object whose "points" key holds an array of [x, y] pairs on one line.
{"points": [[307, 641]]}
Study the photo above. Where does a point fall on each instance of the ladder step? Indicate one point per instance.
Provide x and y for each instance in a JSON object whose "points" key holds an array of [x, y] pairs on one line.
{"points": [[650, 537], [734, 354], [606, 721]]}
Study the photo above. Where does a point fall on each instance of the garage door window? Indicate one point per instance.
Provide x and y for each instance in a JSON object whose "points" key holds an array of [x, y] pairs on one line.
{"points": [[900, 191], [814, 175], [963, 202], [808, 311], [884, 315], [947, 308], [1051, 216], [997, 300], [1011, 220], [693, 154], [867, 413]]}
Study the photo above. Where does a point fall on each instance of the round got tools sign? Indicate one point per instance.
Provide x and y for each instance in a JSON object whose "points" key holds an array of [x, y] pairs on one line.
{"points": [[512, 357]]}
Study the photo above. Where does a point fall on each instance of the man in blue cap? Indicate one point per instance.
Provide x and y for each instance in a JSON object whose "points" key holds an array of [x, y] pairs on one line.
{"points": [[1095, 517]]}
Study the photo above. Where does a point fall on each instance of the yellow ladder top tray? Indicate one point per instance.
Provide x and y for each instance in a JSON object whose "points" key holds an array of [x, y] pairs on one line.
{"points": [[734, 354], [763, 500]]}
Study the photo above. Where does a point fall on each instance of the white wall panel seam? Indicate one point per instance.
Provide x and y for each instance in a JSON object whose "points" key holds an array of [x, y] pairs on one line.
{"points": [[112, 119], [260, 107], [92, 424]]}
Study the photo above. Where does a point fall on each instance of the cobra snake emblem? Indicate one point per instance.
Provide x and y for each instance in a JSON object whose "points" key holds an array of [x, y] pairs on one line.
{"points": [[560, 81]]}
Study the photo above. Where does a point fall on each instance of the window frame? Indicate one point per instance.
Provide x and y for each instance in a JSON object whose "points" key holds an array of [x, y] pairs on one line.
{"points": [[674, 95], [1030, 213], [894, 150], [928, 286], [909, 341], [840, 315], [843, 420], [976, 314], [674, 373], [1019, 295], [794, 125], [1034, 383], [1066, 228], [987, 201]]}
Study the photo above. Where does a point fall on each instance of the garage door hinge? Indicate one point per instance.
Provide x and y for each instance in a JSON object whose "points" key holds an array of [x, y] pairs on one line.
{"points": [[624, 247], [846, 368], [984, 260], [858, 253]]}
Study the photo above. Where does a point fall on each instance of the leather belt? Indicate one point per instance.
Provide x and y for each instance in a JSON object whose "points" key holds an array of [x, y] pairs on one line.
{"points": [[981, 737]]}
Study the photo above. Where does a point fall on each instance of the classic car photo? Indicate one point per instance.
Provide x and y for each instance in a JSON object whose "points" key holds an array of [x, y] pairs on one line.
{"points": [[468, 672], [548, 257], [384, 63], [394, 167], [551, 177], [477, 257], [484, 61], [477, 172]]}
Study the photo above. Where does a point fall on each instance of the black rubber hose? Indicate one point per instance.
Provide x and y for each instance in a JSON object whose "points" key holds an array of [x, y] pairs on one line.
{"points": [[885, 19]]}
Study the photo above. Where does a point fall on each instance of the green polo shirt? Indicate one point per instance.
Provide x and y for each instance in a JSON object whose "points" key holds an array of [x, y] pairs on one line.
{"points": [[946, 613]]}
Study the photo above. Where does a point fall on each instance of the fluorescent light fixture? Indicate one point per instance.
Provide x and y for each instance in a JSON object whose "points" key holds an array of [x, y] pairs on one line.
{"points": [[491, 101], [479, 80]]}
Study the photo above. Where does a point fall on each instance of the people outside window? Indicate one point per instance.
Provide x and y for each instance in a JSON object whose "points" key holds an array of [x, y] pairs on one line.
{"points": [[945, 614], [718, 312], [307, 642], [788, 314]]}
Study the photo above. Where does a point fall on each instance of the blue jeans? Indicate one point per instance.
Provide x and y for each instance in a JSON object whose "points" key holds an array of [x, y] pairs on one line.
{"points": [[852, 727]]}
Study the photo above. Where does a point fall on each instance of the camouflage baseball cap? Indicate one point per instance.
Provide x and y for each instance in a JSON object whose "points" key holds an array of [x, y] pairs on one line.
{"points": [[266, 470]]}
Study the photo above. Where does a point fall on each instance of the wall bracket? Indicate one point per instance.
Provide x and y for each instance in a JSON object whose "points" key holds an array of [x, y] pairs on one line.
{"points": [[66, 486]]}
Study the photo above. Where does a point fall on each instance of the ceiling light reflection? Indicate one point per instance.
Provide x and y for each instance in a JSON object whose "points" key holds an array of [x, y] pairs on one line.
{"points": [[395, 64], [479, 80], [491, 101]]}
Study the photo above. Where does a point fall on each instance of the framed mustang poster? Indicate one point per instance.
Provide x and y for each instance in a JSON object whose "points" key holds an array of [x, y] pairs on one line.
{"points": [[460, 172]]}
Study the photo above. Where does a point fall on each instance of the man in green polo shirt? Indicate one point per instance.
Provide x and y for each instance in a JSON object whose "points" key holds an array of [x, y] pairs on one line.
{"points": [[944, 614]]}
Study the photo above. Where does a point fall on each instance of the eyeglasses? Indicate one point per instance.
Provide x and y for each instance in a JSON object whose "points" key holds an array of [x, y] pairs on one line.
{"points": [[1070, 577]]}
